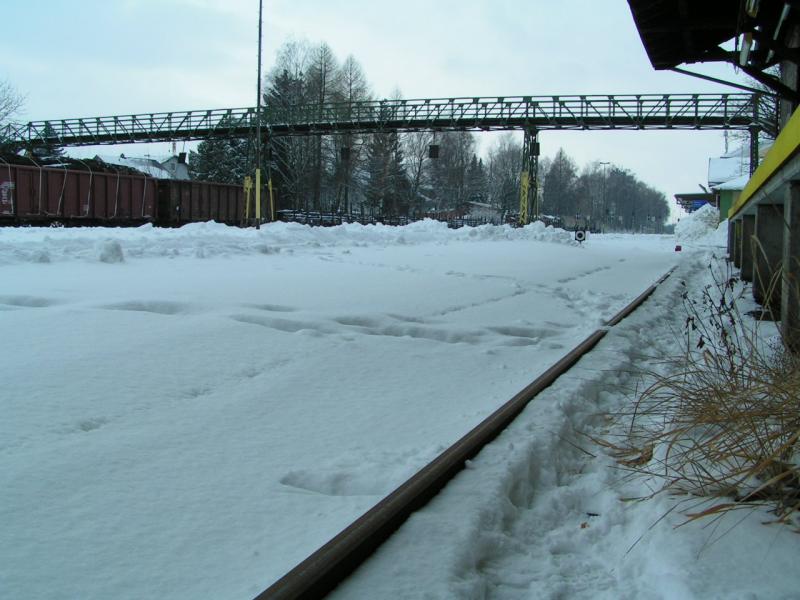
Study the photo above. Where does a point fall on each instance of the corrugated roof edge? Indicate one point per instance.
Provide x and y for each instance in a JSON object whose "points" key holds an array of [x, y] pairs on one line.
{"points": [[786, 145]]}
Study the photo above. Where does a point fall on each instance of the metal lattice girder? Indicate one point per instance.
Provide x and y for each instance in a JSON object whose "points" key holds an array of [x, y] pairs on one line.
{"points": [[643, 111]]}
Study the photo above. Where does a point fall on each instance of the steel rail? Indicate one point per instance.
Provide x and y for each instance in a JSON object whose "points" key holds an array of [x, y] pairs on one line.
{"points": [[597, 112], [321, 572]]}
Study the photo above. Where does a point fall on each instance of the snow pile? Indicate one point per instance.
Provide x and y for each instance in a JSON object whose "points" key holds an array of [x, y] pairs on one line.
{"points": [[110, 252], [208, 240], [697, 225], [718, 237]]}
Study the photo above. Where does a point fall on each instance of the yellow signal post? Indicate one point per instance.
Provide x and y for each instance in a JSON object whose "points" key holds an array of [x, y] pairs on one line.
{"points": [[524, 184], [528, 179], [271, 200], [258, 198], [248, 187]]}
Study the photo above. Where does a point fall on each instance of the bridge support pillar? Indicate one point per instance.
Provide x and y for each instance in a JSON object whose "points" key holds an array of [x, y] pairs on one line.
{"points": [[754, 130], [528, 181], [768, 251], [748, 229]]}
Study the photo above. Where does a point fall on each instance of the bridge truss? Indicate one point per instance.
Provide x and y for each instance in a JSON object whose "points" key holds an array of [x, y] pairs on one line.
{"points": [[528, 113]]}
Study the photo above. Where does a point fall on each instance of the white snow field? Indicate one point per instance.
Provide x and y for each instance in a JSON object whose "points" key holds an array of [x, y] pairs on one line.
{"points": [[189, 413]]}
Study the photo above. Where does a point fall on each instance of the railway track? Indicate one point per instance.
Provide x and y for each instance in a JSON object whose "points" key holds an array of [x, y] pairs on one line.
{"points": [[321, 572]]}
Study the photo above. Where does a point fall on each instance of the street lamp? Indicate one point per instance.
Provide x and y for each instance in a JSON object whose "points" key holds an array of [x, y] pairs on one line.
{"points": [[605, 211]]}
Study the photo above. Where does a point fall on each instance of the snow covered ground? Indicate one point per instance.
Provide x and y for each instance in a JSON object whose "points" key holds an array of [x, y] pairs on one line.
{"points": [[543, 512], [189, 413]]}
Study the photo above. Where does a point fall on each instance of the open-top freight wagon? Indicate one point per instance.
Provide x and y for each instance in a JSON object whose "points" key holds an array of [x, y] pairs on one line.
{"points": [[33, 195]]}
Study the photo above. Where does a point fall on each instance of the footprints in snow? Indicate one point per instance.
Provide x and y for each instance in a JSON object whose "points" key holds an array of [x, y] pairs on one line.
{"points": [[16, 302], [159, 307], [272, 307], [359, 475], [91, 424], [585, 274], [341, 483], [399, 326], [389, 325]]}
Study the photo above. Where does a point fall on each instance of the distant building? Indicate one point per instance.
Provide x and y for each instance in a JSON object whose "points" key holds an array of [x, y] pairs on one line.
{"points": [[728, 193], [693, 201], [726, 167], [177, 165], [727, 176], [166, 167]]}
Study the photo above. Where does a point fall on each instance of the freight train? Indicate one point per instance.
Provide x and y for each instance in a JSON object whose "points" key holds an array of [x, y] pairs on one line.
{"points": [[38, 195]]}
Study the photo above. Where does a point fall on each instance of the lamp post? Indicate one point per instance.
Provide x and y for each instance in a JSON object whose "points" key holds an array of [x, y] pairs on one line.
{"points": [[605, 211]]}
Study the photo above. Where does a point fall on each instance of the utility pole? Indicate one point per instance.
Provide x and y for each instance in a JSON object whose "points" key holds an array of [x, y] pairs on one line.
{"points": [[605, 209], [258, 122]]}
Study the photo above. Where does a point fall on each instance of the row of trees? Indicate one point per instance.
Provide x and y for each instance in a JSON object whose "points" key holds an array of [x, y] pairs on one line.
{"points": [[601, 195], [386, 173], [395, 174]]}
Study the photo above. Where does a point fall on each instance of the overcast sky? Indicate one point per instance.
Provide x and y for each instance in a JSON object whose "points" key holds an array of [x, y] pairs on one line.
{"points": [[102, 57]]}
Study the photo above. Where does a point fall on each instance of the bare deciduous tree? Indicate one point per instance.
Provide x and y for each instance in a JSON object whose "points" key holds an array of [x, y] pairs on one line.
{"points": [[10, 101]]}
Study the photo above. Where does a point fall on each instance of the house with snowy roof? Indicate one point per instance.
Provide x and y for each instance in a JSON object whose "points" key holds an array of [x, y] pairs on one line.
{"points": [[728, 192], [166, 167], [727, 177]]}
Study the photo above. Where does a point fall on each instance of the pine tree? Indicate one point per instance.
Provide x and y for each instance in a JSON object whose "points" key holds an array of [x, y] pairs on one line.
{"points": [[49, 152], [476, 180], [449, 171], [284, 91], [222, 160], [559, 197], [387, 181]]}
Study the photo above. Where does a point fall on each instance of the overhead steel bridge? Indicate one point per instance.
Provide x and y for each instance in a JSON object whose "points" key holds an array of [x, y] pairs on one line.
{"points": [[531, 113]]}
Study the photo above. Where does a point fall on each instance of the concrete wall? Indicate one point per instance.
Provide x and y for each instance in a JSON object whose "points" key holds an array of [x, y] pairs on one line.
{"points": [[768, 250], [790, 294]]}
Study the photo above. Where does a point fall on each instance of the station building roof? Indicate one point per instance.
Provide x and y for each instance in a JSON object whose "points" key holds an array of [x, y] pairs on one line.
{"points": [[684, 31]]}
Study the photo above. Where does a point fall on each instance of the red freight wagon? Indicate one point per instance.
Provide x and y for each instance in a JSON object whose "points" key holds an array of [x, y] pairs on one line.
{"points": [[31, 194], [181, 202], [42, 195]]}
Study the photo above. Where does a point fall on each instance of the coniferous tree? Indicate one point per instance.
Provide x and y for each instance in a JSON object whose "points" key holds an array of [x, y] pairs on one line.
{"points": [[476, 180], [449, 171], [286, 91], [559, 197], [386, 181], [49, 152], [222, 160]]}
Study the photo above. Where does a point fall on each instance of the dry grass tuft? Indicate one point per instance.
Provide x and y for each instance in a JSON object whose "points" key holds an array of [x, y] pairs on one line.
{"points": [[724, 420]]}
